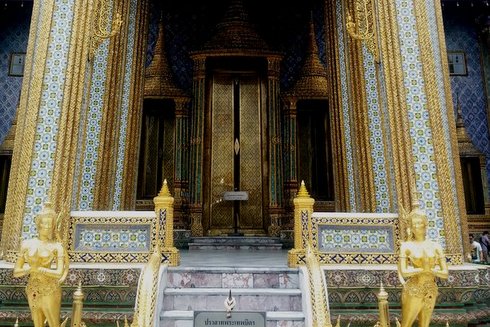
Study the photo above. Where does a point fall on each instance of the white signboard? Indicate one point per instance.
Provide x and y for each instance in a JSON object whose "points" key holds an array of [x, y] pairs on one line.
{"points": [[218, 318], [235, 196]]}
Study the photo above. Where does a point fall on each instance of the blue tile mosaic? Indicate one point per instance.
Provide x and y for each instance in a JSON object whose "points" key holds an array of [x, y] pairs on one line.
{"points": [[14, 33], [345, 107], [128, 77], [461, 35], [418, 116], [49, 112]]}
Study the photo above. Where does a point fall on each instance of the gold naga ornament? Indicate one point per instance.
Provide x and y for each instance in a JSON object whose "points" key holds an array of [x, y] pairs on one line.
{"points": [[45, 259], [420, 262]]}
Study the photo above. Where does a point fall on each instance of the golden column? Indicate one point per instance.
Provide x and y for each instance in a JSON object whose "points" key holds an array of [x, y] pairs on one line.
{"points": [[426, 160], [275, 145], [303, 209], [32, 175], [196, 145], [164, 210], [76, 315]]}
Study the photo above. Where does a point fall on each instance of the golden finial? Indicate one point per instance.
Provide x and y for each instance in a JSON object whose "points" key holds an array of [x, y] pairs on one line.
{"points": [[16, 323], [125, 318], [447, 323], [164, 191], [303, 192], [338, 321]]}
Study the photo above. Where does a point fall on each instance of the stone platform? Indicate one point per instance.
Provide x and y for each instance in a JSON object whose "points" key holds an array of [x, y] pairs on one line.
{"points": [[259, 280], [235, 243]]}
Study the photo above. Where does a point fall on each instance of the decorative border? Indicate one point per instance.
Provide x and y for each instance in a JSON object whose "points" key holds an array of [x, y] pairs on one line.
{"points": [[112, 220]]}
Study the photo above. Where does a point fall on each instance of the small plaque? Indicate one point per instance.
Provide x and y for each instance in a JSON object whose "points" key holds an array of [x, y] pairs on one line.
{"points": [[218, 318], [235, 196]]}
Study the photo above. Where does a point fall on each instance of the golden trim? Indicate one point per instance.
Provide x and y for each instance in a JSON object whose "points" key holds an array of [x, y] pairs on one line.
{"points": [[66, 148], [29, 107], [106, 165], [449, 210], [396, 103], [463, 219], [342, 202], [128, 192]]}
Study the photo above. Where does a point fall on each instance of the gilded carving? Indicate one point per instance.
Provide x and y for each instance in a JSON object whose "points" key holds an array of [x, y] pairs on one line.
{"points": [[363, 25]]}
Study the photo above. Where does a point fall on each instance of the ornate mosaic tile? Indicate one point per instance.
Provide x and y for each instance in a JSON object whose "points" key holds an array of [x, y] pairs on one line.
{"points": [[14, 33], [354, 233], [49, 113], [461, 35], [122, 236], [377, 135], [121, 153], [345, 106], [356, 239], [93, 120], [418, 117]]}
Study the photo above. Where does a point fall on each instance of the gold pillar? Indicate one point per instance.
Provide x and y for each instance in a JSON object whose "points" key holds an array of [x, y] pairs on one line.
{"points": [[164, 209], [361, 134], [275, 142], [135, 110], [290, 146], [76, 315], [197, 146], [303, 209], [384, 313], [32, 104], [342, 194], [181, 146], [110, 124], [402, 101]]}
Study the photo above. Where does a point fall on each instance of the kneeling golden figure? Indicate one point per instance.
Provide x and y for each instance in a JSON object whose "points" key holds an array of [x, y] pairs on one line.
{"points": [[45, 260], [421, 261]]}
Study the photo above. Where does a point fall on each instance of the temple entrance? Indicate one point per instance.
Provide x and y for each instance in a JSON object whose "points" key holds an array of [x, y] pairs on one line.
{"points": [[235, 133]]}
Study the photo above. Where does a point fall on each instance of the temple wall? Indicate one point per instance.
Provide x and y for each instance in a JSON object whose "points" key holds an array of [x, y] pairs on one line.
{"points": [[14, 33], [462, 35], [44, 148]]}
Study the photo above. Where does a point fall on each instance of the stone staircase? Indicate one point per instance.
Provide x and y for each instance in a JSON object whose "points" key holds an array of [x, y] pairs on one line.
{"points": [[235, 243], [275, 291]]}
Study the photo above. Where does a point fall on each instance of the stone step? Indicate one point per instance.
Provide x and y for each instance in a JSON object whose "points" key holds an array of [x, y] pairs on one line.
{"points": [[178, 318], [256, 299], [235, 243], [276, 278]]}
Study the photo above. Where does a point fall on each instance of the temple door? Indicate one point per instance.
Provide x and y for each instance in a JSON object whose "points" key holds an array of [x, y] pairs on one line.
{"points": [[236, 155]]}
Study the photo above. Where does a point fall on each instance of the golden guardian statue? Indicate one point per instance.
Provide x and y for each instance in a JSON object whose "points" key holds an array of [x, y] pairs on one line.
{"points": [[45, 260], [420, 262]]}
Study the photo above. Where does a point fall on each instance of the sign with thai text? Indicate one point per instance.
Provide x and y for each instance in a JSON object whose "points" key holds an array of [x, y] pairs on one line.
{"points": [[218, 318], [235, 196]]}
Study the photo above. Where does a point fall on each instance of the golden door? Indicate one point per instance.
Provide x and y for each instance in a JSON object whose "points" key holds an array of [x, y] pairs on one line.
{"points": [[236, 155]]}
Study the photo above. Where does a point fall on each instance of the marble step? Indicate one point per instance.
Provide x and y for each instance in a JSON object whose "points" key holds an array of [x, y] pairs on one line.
{"points": [[256, 299], [235, 243], [209, 277], [178, 318]]}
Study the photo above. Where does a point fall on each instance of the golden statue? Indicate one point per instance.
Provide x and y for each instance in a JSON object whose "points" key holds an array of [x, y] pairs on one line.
{"points": [[45, 260], [421, 261]]}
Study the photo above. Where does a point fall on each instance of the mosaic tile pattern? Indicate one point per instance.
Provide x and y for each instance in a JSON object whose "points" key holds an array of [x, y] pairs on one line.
{"points": [[418, 117], [345, 107], [112, 238], [121, 153], [373, 239], [14, 33], [389, 146], [49, 112], [445, 114], [461, 35], [377, 137], [93, 120]]}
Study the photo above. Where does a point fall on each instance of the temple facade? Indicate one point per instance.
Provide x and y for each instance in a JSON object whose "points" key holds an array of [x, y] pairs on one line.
{"points": [[375, 104]]}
